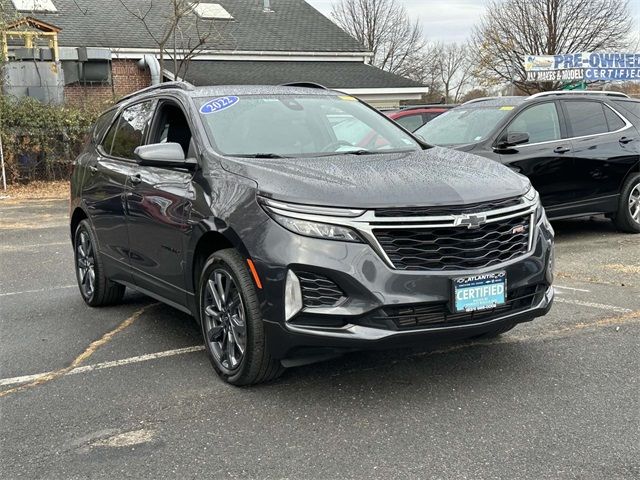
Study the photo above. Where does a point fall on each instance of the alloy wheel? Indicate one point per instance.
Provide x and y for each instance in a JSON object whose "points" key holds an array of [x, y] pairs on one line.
{"points": [[634, 203], [225, 320], [85, 264]]}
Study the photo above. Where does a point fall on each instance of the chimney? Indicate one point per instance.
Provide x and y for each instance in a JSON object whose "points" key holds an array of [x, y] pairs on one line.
{"points": [[266, 6]]}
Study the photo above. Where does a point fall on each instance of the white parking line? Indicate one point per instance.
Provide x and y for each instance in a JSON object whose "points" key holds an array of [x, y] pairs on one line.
{"points": [[100, 366], [571, 288], [197, 348], [601, 306], [7, 294], [18, 248]]}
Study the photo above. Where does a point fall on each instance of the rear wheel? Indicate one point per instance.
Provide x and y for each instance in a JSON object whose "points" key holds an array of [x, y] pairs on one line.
{"points": [[232, 322], [96, 289], [627, 218]]}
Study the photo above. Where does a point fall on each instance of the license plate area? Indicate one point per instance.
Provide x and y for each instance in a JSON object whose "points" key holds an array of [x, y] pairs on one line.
{"points": [[479, 292]]}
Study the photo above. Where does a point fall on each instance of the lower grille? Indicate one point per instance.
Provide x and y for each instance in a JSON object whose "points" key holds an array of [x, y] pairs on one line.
{"points": [[319, 291], [438, 315], [456, 248]]}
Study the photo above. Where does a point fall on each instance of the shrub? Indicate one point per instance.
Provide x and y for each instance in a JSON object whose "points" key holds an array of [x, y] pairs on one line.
{"points": [[40, 141]]}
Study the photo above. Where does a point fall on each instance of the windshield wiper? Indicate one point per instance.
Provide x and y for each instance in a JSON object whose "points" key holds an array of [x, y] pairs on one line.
{"points": [[259, 155], [366, 152]]}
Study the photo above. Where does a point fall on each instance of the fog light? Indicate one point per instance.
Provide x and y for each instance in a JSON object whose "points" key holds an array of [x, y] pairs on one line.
{"points": [[292, 296]]}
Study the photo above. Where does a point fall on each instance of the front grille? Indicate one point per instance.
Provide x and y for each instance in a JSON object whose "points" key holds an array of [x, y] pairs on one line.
{"points": [[318, 290], [447, 210], [439, 315], [455, 248]]}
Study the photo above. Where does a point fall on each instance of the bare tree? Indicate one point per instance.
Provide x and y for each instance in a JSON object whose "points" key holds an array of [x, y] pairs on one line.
{"points": [[511, 29], [179, 34], [454, 68], [385, 29]]}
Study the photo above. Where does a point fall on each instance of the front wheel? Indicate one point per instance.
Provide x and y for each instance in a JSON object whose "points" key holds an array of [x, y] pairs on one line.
{"points": [[627, 218], [232, 322]]}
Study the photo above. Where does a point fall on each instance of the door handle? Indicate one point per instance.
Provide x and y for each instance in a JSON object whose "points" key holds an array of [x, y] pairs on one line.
{"points": [[93, 169], [625, 140], [561, 150], [136, 178]]}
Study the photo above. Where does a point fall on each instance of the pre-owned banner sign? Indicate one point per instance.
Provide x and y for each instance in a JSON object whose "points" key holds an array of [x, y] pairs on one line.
{"points": [[583, 66]]}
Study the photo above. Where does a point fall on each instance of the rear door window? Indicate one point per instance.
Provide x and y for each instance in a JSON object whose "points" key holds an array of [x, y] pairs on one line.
{"points": [[107, 143], [540, 121], [411, 122], [586, 118], [101, 125], [614, 122], [629, 108], [131, 130]]}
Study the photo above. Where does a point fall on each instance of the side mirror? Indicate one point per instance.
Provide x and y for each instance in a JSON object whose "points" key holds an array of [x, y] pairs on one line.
{"points": [[162, 155], [512, 139], [517, 138]]}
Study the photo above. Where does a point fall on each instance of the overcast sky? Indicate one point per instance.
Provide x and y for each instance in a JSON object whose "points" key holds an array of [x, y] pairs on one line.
{"points": [[447, 20]]}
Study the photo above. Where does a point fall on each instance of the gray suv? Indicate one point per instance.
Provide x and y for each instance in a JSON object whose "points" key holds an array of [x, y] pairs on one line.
{"points": [[255, 211]]}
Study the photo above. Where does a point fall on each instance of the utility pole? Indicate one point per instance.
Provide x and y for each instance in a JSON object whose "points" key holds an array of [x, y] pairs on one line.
{"points": [[4, 173]]}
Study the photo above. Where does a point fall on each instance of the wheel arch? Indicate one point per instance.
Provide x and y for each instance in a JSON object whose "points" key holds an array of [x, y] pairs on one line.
{"points": [[212, 235], [76, 217]]}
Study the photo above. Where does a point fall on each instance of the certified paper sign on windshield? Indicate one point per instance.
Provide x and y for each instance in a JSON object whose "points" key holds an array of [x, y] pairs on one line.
{"points": [[480, 292]]}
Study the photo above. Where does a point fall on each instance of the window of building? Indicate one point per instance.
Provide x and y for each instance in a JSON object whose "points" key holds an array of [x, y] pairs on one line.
{"points": [[28, 6], [211, 11]]}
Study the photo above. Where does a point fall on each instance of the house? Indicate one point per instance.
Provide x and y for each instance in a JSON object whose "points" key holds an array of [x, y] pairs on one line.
{"points": [[109, 48]]}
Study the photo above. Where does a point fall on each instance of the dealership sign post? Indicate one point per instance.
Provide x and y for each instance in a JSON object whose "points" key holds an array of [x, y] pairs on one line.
{"points": [[583, 66]]}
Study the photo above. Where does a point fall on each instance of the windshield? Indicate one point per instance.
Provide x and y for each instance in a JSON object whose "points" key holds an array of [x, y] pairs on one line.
{"points": [[462, 125], [298, 126]]}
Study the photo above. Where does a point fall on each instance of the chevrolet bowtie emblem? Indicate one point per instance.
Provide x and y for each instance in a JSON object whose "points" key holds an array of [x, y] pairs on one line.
{"points": [[470, 221]]}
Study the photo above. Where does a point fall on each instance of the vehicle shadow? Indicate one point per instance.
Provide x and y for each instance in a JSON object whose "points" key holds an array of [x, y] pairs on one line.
{"points": [[422, 365], [582, 228]]}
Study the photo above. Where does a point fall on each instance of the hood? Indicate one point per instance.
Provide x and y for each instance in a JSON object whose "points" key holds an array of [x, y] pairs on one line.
{"points": [[437, 176]]}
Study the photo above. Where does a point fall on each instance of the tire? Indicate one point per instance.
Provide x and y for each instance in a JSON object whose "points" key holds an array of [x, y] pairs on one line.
{"points": [[231, 320], [496, 332], [627, 218], [96, 289]]}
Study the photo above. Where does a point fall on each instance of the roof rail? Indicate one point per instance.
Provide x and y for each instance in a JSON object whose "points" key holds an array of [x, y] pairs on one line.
{"points": [[606, 93], [304, 85], [477, 100], [429, 105], [160, 86]]}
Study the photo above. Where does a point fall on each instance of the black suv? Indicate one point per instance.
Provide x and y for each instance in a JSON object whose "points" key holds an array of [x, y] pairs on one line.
{"points": [[245, 207], [581, 150]]}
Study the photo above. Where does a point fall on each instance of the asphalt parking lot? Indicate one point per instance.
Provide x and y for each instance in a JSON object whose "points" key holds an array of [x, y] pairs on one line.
{"points": [[127, 392]]}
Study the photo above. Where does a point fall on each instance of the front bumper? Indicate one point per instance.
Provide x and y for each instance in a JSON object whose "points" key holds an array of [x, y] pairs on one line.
{"points": [[371, 287], [292, 341]]}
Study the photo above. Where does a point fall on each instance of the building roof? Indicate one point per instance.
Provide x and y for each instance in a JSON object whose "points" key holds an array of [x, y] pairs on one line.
{"points": [[330, 74], [292, 26]]}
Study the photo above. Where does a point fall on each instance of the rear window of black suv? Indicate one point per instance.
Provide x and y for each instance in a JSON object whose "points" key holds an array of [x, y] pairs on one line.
{"points": [[627, 107]]}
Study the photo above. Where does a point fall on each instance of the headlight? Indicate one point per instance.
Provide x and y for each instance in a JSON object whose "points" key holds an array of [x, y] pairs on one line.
{"points": [[531, 194], [547, 225], [316, 229]]}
